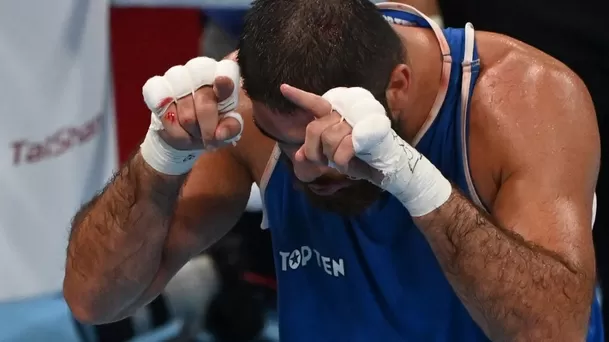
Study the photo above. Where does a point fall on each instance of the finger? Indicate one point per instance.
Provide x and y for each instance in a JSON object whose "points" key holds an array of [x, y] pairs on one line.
{"points": [[344, 154], [228, 128], [170, 121], [233, 56], [186, 116], [227, 92], [172, 132], [313, 103], [223, 87], [169, 117], [312, 147], [332, 137], [157, 95], [299, 156], [206, 112], [346, 162]]}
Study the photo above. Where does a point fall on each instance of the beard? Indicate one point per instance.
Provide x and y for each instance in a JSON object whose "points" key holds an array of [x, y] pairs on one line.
{"points": [[351, 200]]}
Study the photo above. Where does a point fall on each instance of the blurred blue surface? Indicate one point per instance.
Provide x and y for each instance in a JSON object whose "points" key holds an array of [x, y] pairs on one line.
{"points": [[48, 319], [271, 333], [230, 20], [37, 320]]}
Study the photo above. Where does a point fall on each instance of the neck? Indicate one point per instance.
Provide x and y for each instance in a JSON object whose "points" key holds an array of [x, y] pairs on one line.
{"points": [[425, 61]]}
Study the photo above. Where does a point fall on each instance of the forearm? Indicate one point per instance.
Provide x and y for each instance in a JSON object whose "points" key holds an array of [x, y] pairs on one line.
{"points": [[153, 289], [513, 289], [117, 240]]}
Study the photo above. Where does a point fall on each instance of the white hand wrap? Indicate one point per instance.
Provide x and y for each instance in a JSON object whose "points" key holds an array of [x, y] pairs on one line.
{"points": [[408, 175], [178, 82]]}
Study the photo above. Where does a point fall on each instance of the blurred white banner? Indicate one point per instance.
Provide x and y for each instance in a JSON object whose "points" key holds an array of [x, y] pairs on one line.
{"points": [[204, 4], [57, 135]]}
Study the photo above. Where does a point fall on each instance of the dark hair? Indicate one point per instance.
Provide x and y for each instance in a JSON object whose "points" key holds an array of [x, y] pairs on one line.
{"points": [[316, 45]]}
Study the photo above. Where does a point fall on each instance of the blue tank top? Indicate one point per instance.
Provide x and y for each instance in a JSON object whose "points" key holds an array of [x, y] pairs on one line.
{"points": [[374, 277]]}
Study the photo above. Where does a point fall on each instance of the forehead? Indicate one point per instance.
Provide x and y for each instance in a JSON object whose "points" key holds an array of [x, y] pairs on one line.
{"points": [[283, 127]]}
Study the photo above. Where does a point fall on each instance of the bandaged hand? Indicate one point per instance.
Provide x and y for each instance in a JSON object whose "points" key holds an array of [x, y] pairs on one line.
{"points": [[352, 133], [192, 109]]}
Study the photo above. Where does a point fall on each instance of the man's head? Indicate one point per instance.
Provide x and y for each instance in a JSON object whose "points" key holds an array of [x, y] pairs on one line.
{"points": [[317, 45]]}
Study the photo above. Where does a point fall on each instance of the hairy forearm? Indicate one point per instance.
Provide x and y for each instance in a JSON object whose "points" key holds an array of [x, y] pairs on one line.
{"points": [[117, 241], [512, 288]]}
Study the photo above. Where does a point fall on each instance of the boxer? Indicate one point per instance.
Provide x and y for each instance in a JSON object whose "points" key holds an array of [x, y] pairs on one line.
{"points": [[420, 184]]}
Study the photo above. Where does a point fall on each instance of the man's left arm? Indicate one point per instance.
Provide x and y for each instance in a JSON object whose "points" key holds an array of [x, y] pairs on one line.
{"points": [[526, 272]]}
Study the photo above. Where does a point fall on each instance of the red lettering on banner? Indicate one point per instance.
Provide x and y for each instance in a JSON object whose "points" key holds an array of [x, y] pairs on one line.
{"points": [[58, 143]]}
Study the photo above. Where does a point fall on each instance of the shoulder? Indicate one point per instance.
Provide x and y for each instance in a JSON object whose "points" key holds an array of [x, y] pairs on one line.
{"points": [[529, 110], [516, 75], [253, 149]]}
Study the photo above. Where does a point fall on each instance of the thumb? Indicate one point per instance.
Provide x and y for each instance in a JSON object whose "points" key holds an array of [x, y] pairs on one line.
{"points": [[229, 128], [358, 169]]}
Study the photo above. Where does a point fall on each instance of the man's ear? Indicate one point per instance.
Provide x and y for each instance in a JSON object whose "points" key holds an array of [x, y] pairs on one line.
{"points": [[397, 90]]}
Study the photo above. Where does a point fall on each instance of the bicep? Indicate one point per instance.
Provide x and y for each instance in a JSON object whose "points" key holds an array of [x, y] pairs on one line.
{"points": [[549, 211], [547, 195], [547, 141]]}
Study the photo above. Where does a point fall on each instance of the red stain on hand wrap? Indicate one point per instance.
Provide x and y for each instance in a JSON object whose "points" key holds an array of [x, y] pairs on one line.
{"points": [[171, 117], [165, 102]]}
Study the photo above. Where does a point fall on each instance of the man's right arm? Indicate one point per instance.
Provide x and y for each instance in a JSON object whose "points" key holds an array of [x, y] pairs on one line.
{"points": [[130, 240]]}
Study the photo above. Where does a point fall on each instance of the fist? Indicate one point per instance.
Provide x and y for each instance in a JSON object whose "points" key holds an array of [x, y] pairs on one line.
{"points": [[331, 137], [192, 105]]}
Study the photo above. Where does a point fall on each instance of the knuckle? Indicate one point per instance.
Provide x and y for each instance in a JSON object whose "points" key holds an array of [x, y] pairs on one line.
{"points": [[328, 137], [209, 110], [205, 93], [329, 144], [313, 154], [187, 118], [312, 128], [309, 157], [341, 161], [185, 103], [318, 127], [334, 134], [344, 127]]}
